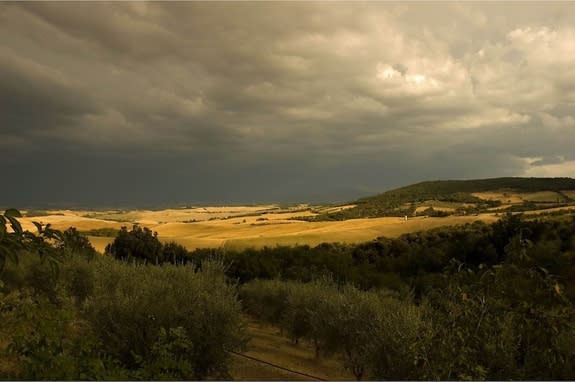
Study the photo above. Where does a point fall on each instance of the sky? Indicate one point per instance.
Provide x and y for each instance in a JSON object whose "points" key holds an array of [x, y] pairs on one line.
{"points": [[160, 103]]}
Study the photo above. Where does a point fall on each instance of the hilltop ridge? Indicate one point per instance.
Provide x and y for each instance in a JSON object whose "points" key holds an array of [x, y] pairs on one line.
{"points": [[446, 197]]}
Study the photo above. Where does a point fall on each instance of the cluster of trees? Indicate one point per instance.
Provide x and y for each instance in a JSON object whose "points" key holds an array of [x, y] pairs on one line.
{"points": [[411, 261], [509, 321], [492, 301], [67, 314], [371, 331], [432, 212], [142, 245]]}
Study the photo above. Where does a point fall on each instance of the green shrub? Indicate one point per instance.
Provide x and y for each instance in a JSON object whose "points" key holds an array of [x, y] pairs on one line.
{"points": [[39, 276], [79, 278], [170, 357], [400, 344], [50, 342], [75, 243], [132, 302], [509, 322], [265, 299], [18, 242]]}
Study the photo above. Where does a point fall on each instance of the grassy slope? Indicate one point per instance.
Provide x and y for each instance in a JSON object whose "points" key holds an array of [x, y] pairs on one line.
{"points": [[395, 202]]}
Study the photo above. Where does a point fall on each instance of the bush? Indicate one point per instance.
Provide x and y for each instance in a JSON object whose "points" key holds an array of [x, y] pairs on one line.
{"points": [[18, 242], [266, 299], [132, 303], [79, 278], [75, 243], [50, 342], [400, 343], [169, 357], [509, 322], [40, 277]]}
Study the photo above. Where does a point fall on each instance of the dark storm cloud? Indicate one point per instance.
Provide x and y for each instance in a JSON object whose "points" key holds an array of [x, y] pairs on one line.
{"points": [[34, 95], [175, 102]]}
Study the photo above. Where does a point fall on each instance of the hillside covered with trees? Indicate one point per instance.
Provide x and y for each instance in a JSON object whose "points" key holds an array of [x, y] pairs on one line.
{"points": [[404, 201]]}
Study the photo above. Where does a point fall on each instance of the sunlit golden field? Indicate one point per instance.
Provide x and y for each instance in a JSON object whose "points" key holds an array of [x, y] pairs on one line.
{"points": [[269, 225], [245, 231], [510, 197]]}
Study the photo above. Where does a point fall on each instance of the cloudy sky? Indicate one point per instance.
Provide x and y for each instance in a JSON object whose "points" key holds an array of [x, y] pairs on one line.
{"points": [[133, 103]]}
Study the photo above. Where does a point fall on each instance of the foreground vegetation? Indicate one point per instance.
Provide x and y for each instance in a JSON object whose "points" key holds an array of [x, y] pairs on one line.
{"points": [[471, 302], [105, 319], [478, 326]]}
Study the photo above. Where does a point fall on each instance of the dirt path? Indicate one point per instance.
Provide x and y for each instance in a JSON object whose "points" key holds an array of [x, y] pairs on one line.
{"points": [[269, 345]]}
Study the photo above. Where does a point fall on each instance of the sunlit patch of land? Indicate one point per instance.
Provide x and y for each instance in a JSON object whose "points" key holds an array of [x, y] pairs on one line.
{"points": [[63, 222], [238, 227], [261, 228], [180, 214], [508, 197], [100, 243], [565, 209], [505, 197], [569, 194], [334, 209], [439, 205]]}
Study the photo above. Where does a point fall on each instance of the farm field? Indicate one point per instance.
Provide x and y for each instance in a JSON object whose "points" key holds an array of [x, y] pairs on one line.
{"points": [[239, 227], [254, 227], [510, 197]]}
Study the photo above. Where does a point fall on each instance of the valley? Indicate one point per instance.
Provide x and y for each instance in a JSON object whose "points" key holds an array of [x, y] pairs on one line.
{"points": [[240, 227]]}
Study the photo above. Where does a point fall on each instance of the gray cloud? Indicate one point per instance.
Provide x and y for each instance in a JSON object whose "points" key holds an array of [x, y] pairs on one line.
{"points": [[241, 102], [548, 160]]}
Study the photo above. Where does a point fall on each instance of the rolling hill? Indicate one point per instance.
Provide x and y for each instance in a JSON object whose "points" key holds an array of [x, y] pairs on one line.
{"points": [[447, 197]]}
